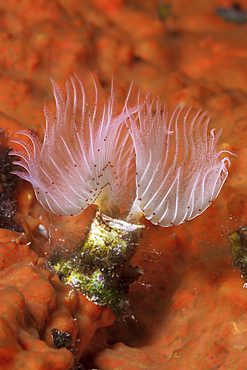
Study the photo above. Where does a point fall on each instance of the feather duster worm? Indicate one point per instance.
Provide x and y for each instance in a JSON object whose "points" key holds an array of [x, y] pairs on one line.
{"points": [[130, 164], [179, 170], [168, 170], [87, 156]]}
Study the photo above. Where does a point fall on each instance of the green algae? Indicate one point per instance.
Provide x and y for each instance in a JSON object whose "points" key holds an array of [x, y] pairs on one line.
{"points": [[238, 241], [100, 265]]}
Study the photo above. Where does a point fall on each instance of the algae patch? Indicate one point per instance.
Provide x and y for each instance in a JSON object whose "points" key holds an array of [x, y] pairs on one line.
{"points": [[100, 266], [238, 241]]}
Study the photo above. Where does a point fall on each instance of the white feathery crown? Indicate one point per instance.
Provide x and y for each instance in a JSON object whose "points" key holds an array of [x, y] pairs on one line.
{"points": [[139, 161]]}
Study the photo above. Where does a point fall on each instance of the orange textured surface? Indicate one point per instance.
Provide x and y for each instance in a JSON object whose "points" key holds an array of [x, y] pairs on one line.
{"points": [[189, 308], [33, 302]]}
